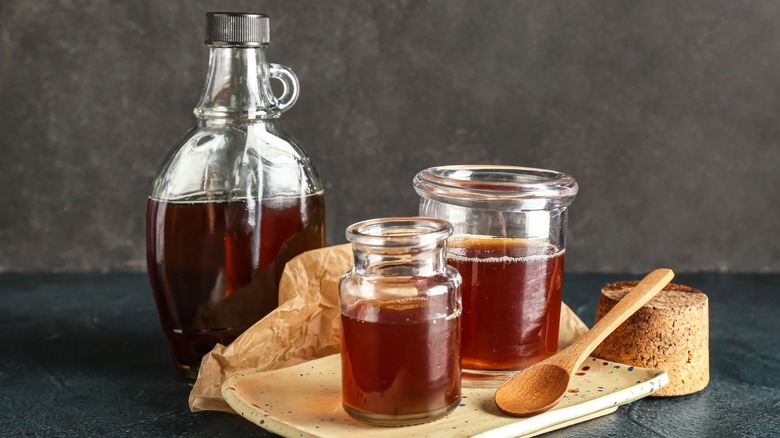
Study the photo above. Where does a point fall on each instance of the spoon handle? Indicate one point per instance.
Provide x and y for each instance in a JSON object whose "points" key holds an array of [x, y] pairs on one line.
{"points": [[643, 292]]}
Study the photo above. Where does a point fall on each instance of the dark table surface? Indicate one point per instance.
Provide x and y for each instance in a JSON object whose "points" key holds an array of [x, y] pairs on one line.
{"points": [[83, 355]]}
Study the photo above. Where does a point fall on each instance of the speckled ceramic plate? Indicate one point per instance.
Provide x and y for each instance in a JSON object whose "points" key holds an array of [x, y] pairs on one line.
{"points": [[305, 400]]}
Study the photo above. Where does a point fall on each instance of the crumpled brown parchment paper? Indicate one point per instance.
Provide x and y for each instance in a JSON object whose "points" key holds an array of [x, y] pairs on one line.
{"points": [[305, 326]]}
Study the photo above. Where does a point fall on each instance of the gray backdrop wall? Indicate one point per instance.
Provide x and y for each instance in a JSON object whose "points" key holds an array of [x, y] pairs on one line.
{"points": [[667, 113]]}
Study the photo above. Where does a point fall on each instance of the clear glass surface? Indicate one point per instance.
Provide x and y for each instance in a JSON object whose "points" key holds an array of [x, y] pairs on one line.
{"points": [[231, 204], [401, 310], [508, 245]]}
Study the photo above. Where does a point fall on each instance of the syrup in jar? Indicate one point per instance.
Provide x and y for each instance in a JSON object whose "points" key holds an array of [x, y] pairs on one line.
{"points": [[511, 300], [213, 274], [508, 244], [384, 363], [401, 312], [233, 202]]}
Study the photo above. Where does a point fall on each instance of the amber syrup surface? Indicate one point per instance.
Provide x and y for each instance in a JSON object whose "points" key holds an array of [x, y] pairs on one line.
{"points": [[214, 273], [511, 300], [403, 360]]}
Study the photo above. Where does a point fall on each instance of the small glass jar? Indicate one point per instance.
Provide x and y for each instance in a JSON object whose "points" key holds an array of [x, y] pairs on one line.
{"points": [[508, 245], [400, 307]]}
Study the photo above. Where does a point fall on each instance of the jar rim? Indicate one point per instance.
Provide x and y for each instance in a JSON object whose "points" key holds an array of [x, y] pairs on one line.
{"points": [[398, 232], [499, 187]]}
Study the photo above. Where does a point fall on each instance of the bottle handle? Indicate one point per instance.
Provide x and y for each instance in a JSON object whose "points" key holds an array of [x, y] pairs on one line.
{"points": [[291, 87]]}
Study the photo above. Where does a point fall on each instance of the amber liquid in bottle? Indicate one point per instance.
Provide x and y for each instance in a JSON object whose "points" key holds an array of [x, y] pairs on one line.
{"points": [[214, 274], [402, 362], [511, 301]]}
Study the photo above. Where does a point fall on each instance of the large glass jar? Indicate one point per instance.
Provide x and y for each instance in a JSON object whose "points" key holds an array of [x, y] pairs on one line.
{"points": [[233, 202], [400, 308], [508, 245]]}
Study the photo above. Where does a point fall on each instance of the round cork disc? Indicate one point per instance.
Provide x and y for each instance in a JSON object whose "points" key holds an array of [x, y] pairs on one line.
{"points": [[670, 332]]}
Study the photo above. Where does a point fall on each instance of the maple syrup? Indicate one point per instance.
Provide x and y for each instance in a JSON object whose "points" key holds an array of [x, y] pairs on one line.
{"points": [[400, 313], [213, 274], [511, 300], [383, 362]]}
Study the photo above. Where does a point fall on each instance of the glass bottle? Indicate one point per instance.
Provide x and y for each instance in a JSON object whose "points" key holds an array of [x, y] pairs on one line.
{"points": [[508, 244], [233, 202], [400, 307]]}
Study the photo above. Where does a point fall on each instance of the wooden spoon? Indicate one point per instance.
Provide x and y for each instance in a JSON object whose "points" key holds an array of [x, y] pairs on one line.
{"points": [[541, 386]]}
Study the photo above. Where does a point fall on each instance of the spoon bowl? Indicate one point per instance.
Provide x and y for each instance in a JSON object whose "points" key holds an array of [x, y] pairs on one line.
{"points": [[540, 387], [537, 398]]}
